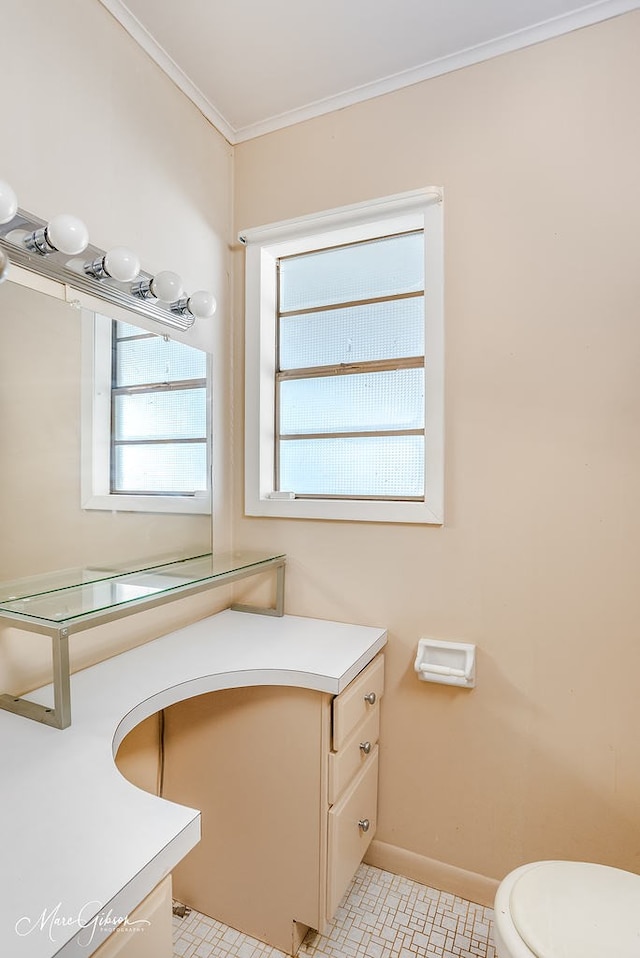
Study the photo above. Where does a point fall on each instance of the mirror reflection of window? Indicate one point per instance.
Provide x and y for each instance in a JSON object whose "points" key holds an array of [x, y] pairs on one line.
{"points": [[147, 424], [52, 514], [158, 415]]}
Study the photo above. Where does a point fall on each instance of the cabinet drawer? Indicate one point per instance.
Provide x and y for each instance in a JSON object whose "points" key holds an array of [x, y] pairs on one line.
{"points": [[348, 841], [352, 706], [347, 762]]}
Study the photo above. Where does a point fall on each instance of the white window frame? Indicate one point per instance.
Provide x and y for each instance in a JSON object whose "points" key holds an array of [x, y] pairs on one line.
{"points": [[419, 209], [96, 432]]}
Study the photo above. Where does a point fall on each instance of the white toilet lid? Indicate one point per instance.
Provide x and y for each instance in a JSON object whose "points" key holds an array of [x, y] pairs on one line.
{"points": [[577, 910]]}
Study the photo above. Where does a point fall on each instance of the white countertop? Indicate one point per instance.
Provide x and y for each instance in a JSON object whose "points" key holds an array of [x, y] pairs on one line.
{"points": [[80, 845]]}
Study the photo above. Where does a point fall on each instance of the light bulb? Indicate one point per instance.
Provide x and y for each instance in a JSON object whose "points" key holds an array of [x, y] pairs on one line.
{"points": [[166, 286], [67, 234], [202, 304], [121, 263], [8, 203]]}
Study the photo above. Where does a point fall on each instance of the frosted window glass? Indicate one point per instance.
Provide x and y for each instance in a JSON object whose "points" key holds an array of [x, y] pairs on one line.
{"points": [[353, 403], [369, 466], [180, 468], [174, 414], [152, 360], [126, 329], [375, 331], [361, 271]]}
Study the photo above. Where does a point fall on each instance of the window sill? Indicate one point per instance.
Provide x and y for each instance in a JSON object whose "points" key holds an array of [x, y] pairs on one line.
{"points": [[346, 510], [183, 505]]}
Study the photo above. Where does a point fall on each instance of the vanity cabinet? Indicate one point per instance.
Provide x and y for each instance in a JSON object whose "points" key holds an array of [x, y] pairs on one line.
{"points": [[148, 929], [286, 780], [249, 744]]}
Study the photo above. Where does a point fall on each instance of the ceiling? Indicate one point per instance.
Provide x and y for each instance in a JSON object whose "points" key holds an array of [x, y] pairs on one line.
{"points": [[253, 66]]}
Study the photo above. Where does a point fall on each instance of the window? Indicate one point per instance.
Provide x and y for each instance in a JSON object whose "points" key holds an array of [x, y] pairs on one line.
{"points": [[145, 421], [350, 370], [344, 363]]}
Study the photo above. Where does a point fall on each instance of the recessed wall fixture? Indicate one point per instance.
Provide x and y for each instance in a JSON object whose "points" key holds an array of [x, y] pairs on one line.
{"points": [[53, 249]]}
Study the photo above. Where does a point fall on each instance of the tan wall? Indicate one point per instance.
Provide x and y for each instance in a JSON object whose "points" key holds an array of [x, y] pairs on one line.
{"points": [[538, 152], [92, 126]]}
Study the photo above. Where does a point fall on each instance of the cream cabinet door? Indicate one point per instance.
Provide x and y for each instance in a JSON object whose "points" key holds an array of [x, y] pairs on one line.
{"points": [[149, 932], [352, 824]]}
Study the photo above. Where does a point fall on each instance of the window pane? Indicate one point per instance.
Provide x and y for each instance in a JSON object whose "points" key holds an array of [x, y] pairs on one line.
{"points": [[161, 468], [375, 331], [353, 403], [126, 330], [363, 466], [362, 271], [152, 360], [174, 414]]}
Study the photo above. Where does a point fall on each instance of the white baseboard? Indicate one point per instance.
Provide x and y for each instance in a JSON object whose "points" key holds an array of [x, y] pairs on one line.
{"points": [[429, 871]]}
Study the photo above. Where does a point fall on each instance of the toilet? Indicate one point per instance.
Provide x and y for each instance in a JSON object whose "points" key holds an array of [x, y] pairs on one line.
{"points": [[563, 909]]}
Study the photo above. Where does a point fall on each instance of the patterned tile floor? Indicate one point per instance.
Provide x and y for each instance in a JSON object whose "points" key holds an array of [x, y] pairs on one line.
{"points": [[381, 916]]}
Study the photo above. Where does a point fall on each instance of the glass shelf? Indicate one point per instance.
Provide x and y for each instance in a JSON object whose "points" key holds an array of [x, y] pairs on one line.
{"points": [[68, 597], [61, 603]]}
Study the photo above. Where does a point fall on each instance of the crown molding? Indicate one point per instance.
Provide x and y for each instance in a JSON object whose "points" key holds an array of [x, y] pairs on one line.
{"points": [[159, 55], [548, 29]]}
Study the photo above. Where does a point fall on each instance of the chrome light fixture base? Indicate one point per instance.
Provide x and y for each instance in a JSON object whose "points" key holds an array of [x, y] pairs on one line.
{"points": [[37, 241], [27, 244]]}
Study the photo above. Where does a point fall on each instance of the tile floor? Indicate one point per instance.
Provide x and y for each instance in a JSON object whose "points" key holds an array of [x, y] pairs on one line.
{"points": [[381, 916]]}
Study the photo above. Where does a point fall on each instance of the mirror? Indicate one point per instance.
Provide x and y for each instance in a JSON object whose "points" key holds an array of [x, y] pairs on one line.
{"points": [[44, 527]]}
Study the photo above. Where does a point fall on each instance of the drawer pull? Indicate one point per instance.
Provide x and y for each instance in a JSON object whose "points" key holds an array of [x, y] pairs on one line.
{"points": [[364, 824], [370, 698], [366, 747]]}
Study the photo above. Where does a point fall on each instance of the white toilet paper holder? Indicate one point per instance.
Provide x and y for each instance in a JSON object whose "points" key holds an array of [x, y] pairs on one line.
{"points": [[449, 663]]}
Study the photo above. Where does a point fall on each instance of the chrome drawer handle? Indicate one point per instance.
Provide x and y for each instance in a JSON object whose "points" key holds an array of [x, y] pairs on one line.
{"points": [[366, 747], [364, 824], [370, 698]]}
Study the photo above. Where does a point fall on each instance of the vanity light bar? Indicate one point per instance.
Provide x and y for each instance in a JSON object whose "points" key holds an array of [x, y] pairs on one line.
{"points": [[60, 250]]}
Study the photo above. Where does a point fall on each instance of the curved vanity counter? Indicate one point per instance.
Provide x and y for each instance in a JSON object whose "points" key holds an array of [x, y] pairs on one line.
{"points": [[81, 846]]}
